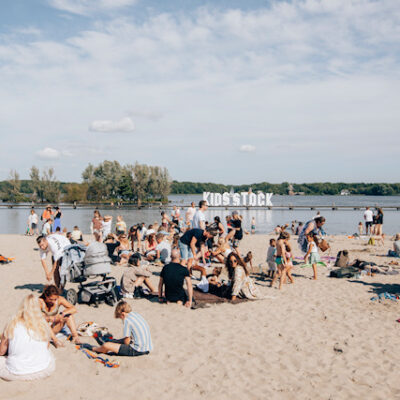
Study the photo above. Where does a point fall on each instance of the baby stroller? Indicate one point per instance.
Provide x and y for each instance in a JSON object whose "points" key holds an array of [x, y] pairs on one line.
{"points": [[80, 263]]}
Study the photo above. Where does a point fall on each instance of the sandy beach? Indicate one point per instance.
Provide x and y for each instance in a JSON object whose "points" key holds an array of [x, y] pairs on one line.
{"points": [[321, 339]]}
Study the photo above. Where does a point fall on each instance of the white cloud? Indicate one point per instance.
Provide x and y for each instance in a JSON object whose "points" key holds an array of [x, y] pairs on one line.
{"points": [[247, 148], [48, 153], [85, 7], [123, 125], [311, 72]]}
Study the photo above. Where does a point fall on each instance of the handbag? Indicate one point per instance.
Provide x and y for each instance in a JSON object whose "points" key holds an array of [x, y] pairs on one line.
{"points": [[323, 245]]}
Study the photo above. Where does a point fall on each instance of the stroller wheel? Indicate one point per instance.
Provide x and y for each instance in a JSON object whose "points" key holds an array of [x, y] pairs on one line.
{"points": [[110, 300], [71, 296]]}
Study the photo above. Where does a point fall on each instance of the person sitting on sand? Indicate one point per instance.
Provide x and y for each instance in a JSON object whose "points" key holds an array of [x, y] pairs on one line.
{"points": [[120, 226], [222, 251], [25, 344], [46, 229], [312, 255], [396, 247], [134, 277], [123, 249], [54, 244], [150, 247], [137, 339], [241, 283], [163, 249], [50, 303], [172, 276]]}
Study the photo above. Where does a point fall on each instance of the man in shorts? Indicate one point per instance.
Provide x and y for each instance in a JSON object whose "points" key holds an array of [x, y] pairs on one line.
{"points": [[54, 244], [368, 217]]}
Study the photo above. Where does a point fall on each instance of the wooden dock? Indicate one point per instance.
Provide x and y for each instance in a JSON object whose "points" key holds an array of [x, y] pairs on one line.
{"points": [[159, 206]]}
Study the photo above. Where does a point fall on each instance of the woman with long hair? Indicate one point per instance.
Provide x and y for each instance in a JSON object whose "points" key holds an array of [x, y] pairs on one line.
{"points": [[26, 340], [50, 303], [241, 283]]}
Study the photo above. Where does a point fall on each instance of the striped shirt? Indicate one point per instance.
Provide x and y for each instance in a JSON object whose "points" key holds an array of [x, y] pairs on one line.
{"points": [[138, 330]]}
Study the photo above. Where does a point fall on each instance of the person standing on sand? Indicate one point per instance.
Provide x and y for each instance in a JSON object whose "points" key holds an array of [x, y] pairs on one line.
{"points": [[199, 219], [312, 253], [57, 219], [368, 218], [280, 259], [253, 226], [314, 226], [189, 215], [54, 244], [33, 221]]}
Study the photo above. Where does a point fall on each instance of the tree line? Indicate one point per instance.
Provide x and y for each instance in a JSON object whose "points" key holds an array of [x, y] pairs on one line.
{"points": [[108, 181], [139, 183], [323, 188]]}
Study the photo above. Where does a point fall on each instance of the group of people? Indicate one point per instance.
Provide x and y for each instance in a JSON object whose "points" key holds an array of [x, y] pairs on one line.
{"points": [[373, 222], [182, 245]]}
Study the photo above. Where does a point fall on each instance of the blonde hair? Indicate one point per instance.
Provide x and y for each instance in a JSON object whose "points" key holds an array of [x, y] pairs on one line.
{"points": [[30, 315], [122, 307]]}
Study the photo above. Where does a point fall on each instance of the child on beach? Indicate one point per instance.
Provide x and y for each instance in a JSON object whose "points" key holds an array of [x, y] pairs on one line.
{"points": [[360, 228], [312, 253], [281, 260], [271, 258], [253, 226], [136, 340]]}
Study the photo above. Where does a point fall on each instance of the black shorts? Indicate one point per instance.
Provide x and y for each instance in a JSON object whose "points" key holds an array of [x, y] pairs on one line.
{"points": [[368, 224], [34, 226], [128, 351]]}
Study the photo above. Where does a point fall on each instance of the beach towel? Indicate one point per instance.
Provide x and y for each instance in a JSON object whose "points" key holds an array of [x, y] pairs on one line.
{"points": [[94, 356], [207, 298]]}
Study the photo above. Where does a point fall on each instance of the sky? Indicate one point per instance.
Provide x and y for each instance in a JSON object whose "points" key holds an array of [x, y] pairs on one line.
{"points": [[222, 91]]}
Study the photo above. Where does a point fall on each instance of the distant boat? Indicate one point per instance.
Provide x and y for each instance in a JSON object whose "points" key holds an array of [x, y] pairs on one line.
{"points": [[344, 192]]}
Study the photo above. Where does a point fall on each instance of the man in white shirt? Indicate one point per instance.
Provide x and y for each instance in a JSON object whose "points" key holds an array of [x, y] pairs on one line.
{"points": [[368, 217], [199, 218], [54, 244], [190, 214]]}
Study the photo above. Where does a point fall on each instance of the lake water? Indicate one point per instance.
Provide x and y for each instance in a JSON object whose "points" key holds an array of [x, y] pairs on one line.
{"points": [[338, 221]]}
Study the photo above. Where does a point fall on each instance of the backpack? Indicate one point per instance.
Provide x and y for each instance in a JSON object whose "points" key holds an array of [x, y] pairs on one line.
{"points": [[371, 241], [341, 259], [348, 272]]}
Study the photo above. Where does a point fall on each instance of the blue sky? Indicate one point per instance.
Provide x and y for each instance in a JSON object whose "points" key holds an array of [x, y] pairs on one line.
{"points": [[223, 91]]}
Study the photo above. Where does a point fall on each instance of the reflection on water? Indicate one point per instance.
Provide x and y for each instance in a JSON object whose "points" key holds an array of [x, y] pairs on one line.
{"points": [[338, 221]]}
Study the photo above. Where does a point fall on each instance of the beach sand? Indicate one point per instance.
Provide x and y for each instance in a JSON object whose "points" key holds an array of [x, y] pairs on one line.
{"points": [[319, 339]]}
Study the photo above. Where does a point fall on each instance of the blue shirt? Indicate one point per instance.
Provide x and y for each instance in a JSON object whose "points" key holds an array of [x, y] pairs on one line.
{"points": [[137, 328]]}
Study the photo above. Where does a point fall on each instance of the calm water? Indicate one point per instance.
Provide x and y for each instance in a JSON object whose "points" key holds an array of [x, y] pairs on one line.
{"points": [[338, 221]]}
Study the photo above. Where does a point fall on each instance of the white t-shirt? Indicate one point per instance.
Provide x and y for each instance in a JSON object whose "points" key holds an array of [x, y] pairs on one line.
{"points": [[197, 218], [57, 244], [33, 219], [190, 213], [25, 354], [165, 255], [106, 226], [76, 234], [368, 215], [46, 228]]}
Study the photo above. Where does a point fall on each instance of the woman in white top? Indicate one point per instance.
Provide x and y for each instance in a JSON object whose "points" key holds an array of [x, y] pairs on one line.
{"points": [[25, 340]]}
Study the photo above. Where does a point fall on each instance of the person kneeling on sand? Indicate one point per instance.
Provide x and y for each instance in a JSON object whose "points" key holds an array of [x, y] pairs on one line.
{"points": [[136, 340], [133, 279], [172, 277], [50, 302], [25, 342]]}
